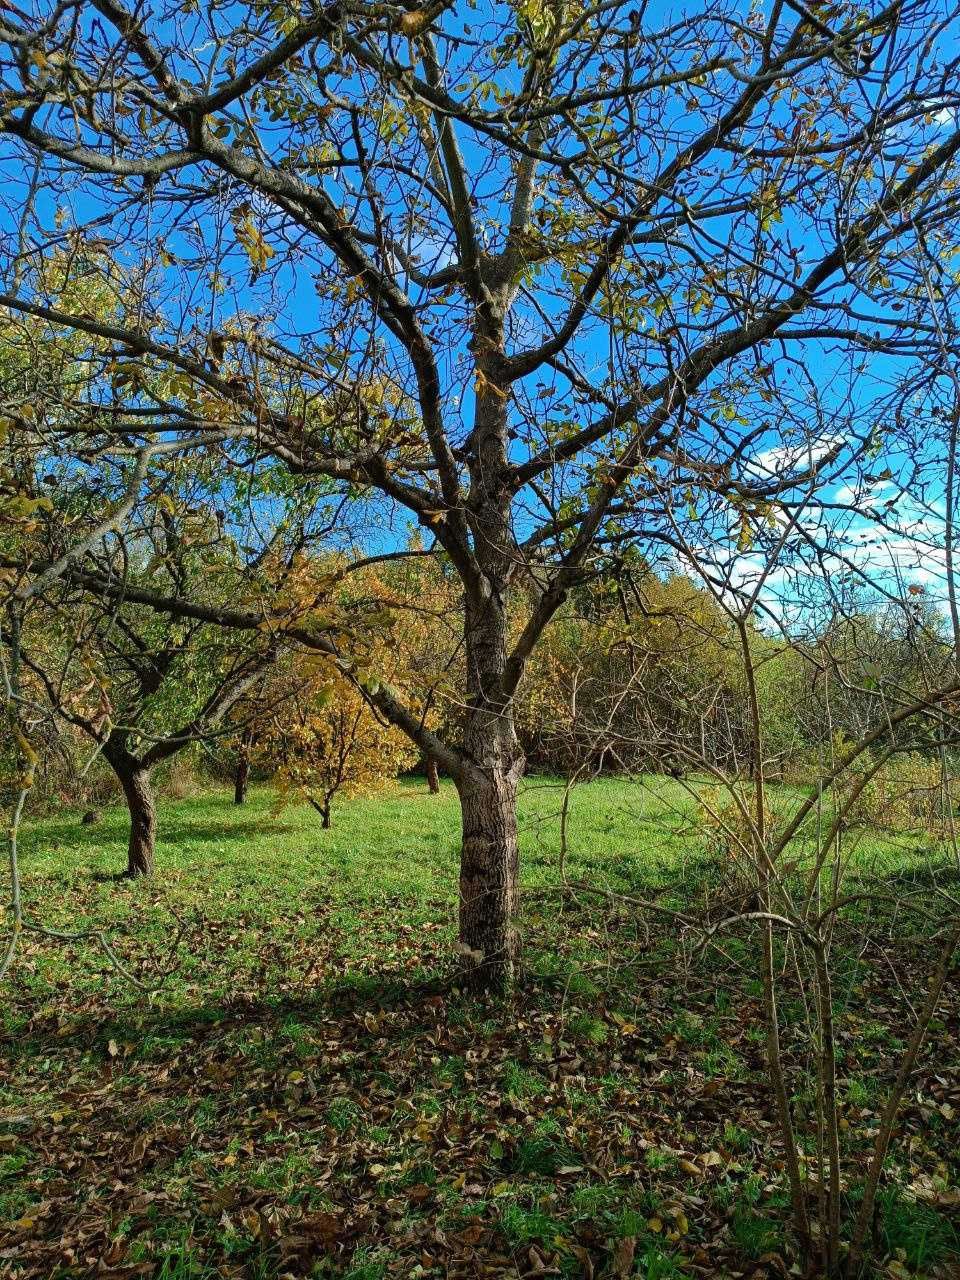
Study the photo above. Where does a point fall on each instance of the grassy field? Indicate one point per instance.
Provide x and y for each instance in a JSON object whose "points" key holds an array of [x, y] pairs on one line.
{"points": [[301, 1090]]}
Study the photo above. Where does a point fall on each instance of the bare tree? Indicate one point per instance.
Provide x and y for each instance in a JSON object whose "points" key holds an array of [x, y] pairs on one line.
{"points": [[870, 660]]}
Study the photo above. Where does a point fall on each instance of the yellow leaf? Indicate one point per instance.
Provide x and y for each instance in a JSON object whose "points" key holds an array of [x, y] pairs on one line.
{"points": [[412, 24]]}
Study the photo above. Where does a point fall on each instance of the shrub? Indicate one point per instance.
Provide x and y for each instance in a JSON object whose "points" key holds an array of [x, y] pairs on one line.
{"points": [[905, 794], [726, 829], [179, 780]]}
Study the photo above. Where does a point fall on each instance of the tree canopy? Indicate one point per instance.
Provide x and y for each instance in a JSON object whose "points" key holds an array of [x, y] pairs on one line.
{"points": [[553, 280]]}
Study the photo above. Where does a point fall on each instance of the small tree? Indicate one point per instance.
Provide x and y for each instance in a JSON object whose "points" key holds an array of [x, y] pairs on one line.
{"points": [[426, 659], [139, 685], [323, 740]]}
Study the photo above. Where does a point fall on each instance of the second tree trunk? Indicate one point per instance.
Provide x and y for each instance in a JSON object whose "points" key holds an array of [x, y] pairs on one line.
{"points": [[143, 822], [241, 777], [433, 776]]}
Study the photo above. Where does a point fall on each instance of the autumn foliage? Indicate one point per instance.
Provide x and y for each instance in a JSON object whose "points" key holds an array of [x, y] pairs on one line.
{"points": [[325, 741]]}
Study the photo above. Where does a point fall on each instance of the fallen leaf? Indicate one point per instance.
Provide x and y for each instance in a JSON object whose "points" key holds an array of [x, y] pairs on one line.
{"points": [[621, 1265]]}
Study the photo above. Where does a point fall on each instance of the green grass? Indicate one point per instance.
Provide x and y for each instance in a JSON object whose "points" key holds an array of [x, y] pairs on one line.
{"points": [[243, 868], [915, 1232], [403, 841], [303, 1090]]}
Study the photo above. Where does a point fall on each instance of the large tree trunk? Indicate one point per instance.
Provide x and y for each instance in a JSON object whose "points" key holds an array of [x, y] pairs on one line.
{"points": [[493, 762], [487, 785], [143, 823], [489, 869], [135, 780]]}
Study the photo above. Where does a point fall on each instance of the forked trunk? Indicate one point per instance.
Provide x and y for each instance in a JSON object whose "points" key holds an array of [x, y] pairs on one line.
{"points": [[323, 808], [433, 776], [143, 822], [489, 868]]}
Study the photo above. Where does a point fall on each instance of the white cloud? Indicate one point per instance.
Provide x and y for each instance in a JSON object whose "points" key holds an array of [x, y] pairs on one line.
{"points": [[874, 493], [791, 457]]}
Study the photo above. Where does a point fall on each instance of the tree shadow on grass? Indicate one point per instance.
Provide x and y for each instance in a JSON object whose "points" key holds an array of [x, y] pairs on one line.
{"points": [[931, 874], [111, 877], [342, 998], [183, 832], [113, 830]]}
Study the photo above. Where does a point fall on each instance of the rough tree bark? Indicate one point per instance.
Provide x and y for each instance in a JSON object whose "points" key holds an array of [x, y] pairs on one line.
{"points": [[143, 823], [493, 761], [489, 874], [134, 778]]}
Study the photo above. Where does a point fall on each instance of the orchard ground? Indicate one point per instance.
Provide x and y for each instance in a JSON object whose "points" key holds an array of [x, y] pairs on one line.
{"points": [[303, 1091]]}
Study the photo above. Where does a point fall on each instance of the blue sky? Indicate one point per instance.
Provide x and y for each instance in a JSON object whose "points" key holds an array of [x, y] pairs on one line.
{"points": [[822, 391]]}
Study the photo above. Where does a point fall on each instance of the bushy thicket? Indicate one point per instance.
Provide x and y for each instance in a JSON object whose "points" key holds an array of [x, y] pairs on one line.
{"points": [[646, 675], [658, 683], [71, 775]]}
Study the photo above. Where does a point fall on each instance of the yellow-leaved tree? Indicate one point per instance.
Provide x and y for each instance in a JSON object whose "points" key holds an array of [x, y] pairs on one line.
{"points": [[321, 740], [311, 728], [423, 599]]}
